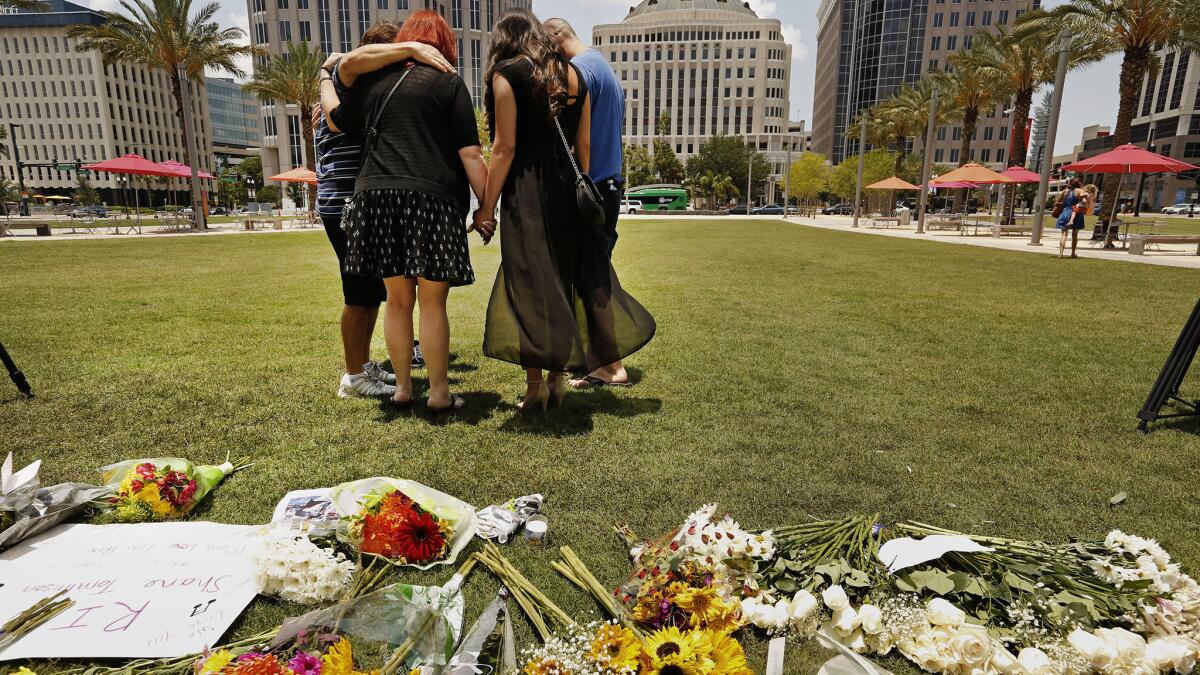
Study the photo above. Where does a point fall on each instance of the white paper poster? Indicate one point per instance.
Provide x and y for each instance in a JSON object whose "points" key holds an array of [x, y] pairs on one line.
{"points": [[147, 590]]}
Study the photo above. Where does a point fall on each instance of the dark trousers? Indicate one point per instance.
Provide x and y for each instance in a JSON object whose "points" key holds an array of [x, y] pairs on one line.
{"points": [[613, 192], [357, 291]]}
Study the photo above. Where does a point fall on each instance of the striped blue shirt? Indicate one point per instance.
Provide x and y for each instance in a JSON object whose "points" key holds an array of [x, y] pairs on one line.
{"points": [[338, 159]]}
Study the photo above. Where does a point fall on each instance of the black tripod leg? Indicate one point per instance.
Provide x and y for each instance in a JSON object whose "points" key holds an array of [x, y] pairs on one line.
{"points": [[17, 376]]}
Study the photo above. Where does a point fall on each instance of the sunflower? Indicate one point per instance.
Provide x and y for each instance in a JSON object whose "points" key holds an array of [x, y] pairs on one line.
{"points": [[727, 654], [338, 659], [616, 648], [215, 662], [726, 620], [703, 604], [678, 668], [670, 644]]}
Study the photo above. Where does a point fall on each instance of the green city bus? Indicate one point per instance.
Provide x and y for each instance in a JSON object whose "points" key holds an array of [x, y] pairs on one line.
{"points": [[660, 197]]}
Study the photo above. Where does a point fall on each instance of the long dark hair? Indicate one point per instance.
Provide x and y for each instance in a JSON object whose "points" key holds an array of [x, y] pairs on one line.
{"points": [[519, 35]]}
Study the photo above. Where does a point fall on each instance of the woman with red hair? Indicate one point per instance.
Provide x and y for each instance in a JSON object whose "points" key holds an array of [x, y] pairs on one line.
{"points": [[405, 223]]}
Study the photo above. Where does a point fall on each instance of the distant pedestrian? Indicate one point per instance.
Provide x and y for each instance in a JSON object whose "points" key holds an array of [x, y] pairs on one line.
{"points": [[1074, 204]]}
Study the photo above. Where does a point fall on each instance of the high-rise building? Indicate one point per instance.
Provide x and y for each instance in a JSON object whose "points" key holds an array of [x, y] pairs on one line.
{"points": [[67, 105], [713, 66], [234, 115], [1169, 108], [336, 26], [868, 49]]}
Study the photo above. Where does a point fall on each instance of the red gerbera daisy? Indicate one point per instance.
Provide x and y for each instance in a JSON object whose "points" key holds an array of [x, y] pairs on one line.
{"points": [[419, 539]]}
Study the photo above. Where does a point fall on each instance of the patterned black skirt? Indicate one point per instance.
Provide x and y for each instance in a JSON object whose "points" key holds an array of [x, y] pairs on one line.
{"points": [[401, 233]]}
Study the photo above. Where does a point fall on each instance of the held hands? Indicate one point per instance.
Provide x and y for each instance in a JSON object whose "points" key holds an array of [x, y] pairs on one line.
{"points": [[483, 223], [428, 55]]}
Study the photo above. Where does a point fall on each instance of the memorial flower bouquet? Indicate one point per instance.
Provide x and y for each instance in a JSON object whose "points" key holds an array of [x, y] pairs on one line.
{"points": [[27, 507], [403, 522], [611, 649], [320, 654], [146, 490], [696, 576], [292, 567]]}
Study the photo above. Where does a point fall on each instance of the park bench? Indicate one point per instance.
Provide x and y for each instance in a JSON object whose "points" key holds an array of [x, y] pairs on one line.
{"points": [[1138, 242], [265, 222]]}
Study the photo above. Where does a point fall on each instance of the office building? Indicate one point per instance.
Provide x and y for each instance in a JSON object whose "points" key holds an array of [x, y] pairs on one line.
{"points": [[1168, 119], [67, 105], [336, 26], [234, 116], [713, 66], [869, 49]]}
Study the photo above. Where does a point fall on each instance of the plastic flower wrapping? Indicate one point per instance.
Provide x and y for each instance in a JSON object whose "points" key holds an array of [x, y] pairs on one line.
{"points": [[611, 649], [147, 490], [28, 508], [695, 577], [403, 521], [292, 567]]}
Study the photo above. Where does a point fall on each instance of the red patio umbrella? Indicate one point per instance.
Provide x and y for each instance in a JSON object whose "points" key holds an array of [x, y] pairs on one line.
{"points": [[178, 170], [953, 185], [131, 164], [297, 175], [1129, 158], [1021, 175]]}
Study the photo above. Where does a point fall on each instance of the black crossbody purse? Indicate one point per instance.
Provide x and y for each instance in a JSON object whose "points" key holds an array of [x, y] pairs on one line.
{"points": [[372, 131], [587, 195]]}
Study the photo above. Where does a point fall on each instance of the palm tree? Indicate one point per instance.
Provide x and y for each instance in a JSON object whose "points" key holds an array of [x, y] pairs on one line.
{"points": [[3, 140], [164, 35], [292, 79], [1133, 28], [723, 189], [971, 87], [891, 122]]}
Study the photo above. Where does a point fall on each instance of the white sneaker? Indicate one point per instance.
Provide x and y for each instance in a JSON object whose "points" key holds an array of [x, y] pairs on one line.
{"points": [[363, 386], [376, 372]]}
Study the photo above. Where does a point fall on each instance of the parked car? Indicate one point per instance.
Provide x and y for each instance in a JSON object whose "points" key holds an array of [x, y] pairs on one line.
{"points": [[218, 211], [839, 210], [89, 212], [739, 211], [630, 207], [793, 210], [1180, 209], [769, 210]]}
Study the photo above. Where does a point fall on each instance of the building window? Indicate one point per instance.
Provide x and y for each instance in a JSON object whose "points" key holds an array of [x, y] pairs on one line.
{"points": [[1164, 81], [305, 31], [953, 19], [456, 15], [285, 31], [364, 16], [325, 27], [294, 145], [475, 25], [476, 69], [344, 25]]}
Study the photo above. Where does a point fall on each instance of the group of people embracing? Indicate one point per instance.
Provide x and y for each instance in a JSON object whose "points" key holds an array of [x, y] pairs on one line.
{"points": [[398, 156]]}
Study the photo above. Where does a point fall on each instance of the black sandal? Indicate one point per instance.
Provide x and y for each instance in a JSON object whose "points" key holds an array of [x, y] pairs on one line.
{"points": [[456, 403], [399, 405]]}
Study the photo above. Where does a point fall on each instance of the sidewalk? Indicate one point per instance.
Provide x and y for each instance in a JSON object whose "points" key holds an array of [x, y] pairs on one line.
{"points": [[291, 224], [1170, 256]]}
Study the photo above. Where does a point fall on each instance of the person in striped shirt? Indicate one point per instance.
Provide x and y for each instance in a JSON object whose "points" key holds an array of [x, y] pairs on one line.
{"points": [[338, 162]]}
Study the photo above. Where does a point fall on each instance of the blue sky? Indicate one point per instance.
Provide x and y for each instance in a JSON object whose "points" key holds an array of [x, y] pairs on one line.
{"points": [[1090, 95]]}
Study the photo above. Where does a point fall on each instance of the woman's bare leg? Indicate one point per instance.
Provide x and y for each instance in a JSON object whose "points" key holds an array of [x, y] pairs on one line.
{"points": [[1074, 242], [435, 339], [1062, 242], [398, 331]]}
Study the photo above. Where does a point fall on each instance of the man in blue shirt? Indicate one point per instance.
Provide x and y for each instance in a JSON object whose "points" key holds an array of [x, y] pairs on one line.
{"points": [[607, 156]]}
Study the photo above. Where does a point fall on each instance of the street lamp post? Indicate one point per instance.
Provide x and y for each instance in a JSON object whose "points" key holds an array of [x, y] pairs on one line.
{"points": [[927, 161], [862, 150], [23, 207], [1060, 80]]}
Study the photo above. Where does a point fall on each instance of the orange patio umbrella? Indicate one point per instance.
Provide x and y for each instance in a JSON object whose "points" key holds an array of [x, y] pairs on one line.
{"points": [[973, 173], [891, 185], [297, 175]]}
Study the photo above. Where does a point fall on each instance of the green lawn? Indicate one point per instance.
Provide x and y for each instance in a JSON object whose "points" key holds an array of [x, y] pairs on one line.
{"points": [[797, 372]]}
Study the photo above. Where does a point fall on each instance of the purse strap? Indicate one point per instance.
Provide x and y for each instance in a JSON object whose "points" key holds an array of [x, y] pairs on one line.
{"points": [[567, 147], [373, 127]]}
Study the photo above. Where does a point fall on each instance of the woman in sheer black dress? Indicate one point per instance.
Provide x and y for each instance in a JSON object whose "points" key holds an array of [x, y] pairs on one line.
{"points": [[557, 305]]}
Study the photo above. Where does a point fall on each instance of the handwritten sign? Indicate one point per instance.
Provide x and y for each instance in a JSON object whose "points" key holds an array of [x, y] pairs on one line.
{"points": [[149, 590]]}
